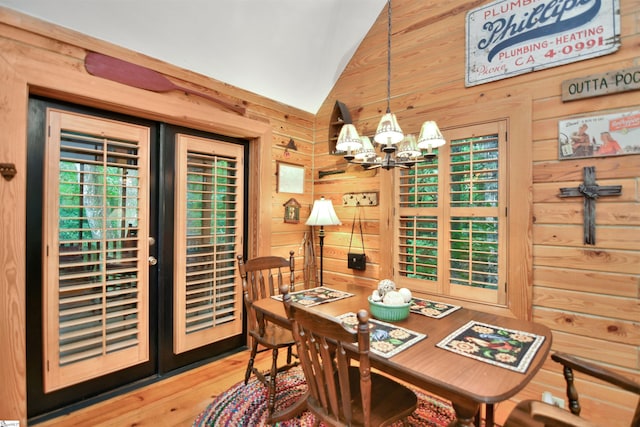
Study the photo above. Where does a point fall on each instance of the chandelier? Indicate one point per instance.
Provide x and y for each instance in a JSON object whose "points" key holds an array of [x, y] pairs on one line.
{"points": [[398, 150]]}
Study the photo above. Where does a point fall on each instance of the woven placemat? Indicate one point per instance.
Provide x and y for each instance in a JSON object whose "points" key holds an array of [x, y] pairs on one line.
{"points": [[507, 348], [433, 309], [386, 339], [315, 296]]}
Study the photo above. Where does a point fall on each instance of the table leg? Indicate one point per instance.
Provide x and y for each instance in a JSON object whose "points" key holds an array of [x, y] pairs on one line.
{"points": [[488, 416], [465, 415]]}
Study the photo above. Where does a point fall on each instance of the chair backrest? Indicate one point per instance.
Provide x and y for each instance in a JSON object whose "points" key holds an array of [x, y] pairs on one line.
{"points": [[571, 363], [262, 277], [320, 342]]}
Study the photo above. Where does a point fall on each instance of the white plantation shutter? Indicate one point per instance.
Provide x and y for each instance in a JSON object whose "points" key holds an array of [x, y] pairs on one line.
{"points": [[418, 223], [96, 273], [209, 225], [473, 195], [453, 215], [419, 247]]}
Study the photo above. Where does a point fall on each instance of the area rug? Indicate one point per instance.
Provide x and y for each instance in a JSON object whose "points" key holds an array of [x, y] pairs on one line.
{"points": [[246, 405]]}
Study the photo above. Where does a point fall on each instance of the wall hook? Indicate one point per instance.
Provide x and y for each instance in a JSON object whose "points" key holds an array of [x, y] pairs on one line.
{"points": [[360, 199]]}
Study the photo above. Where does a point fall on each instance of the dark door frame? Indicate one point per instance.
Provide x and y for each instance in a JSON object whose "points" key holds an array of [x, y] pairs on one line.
{"points": [[162, 361]]}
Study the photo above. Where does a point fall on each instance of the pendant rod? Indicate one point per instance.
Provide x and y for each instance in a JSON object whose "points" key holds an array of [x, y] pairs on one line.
{"points": [[389, 57]]}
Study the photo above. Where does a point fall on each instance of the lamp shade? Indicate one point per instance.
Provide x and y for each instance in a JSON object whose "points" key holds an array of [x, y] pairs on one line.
{"points": [[348, 140], [430, 136], [322, 213], [367, 151], [388, 131], [408, 147]]}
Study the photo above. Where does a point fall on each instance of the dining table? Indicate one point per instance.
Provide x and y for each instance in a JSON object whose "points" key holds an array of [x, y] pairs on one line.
{"points": [[467, 382]]}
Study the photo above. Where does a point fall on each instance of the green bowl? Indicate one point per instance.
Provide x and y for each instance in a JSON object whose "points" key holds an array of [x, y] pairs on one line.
{"points": [[389, 313]]}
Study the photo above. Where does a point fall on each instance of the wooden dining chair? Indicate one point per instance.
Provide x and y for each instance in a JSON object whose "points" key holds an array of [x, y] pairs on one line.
{"points": [[340, 394], [536, 413], [262, 278]]}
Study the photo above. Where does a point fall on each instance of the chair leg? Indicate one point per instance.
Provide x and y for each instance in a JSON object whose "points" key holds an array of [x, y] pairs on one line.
{"points": [[272, 382], [252, 357], [289, 355]]}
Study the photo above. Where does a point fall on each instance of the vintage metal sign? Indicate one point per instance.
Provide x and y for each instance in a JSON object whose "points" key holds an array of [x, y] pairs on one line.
{"points": [[624, 80], [605, 135], [511, 37]]}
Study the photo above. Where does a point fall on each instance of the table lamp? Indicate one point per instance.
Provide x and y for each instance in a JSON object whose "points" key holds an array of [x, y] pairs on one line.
{"points": [[322, 214]]}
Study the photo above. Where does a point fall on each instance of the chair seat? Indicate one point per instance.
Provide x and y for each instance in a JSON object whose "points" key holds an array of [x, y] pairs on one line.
{"points": [[390, 400], [274, 336]]}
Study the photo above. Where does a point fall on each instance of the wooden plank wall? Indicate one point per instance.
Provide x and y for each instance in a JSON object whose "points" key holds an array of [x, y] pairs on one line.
{"points": [[588, 295], [44, 59]]}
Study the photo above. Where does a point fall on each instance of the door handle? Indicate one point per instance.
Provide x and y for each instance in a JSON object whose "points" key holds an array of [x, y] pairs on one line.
{"points": [[153, 260]]}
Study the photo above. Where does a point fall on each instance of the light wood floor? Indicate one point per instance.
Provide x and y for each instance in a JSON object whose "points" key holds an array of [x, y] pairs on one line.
{"points": [[176, 401]]}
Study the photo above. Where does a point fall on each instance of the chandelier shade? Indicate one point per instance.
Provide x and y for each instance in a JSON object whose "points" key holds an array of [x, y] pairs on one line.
{"points": [[367, 151], [409, 148], [348, 140], [430, 136], [388, 131]]}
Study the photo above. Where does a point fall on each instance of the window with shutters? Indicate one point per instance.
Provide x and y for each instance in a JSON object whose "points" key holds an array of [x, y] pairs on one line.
{"points": [[95, 277], [209, 213], [452, 218]]}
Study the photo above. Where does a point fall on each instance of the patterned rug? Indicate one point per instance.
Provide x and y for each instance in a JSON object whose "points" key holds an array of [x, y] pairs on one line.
{"points": [[247, 405]]}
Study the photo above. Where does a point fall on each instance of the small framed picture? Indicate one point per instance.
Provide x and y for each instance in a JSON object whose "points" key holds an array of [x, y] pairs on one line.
{"points": [[290, 178], [292, 211]]}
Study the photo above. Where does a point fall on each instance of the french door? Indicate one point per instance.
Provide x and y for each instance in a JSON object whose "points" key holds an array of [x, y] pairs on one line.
{"points": [[133, 231]]}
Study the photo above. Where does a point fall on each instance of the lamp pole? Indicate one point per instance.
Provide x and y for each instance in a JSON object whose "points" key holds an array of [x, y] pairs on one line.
{"points": [[321, 236], [322, 214]]}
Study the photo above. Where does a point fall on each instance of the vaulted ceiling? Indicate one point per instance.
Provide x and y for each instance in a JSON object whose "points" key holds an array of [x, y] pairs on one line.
{"points": [[301, 46]]}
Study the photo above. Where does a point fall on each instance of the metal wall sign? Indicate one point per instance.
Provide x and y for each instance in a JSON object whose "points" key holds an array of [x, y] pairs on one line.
{"points": [[597, 136], [624, 80], [511, 37]]}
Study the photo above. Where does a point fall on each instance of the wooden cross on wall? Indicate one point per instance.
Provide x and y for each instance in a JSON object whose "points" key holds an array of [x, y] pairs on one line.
{"points": [[590, 191]]}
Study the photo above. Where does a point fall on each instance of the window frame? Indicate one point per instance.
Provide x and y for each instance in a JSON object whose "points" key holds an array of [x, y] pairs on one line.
{"points": [[439, 216], [519, 228]]}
